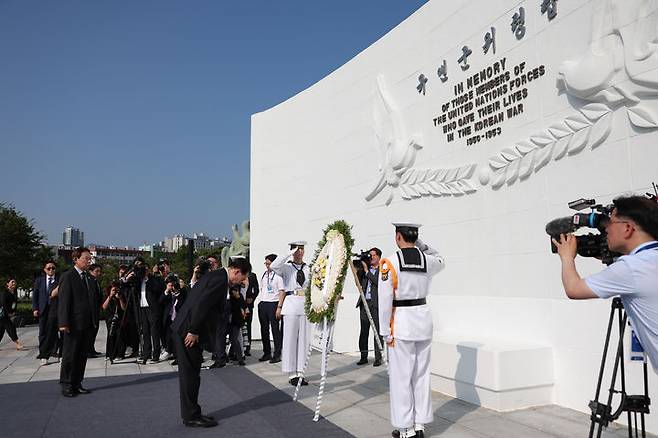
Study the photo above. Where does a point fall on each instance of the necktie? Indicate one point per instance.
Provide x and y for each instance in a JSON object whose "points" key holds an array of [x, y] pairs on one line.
{"points": [[83, 277], [50, 283], [301, 278], [173, 309]]}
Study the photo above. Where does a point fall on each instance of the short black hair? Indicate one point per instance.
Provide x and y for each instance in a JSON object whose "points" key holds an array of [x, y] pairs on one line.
{"points": [[643, 211], [49, 261], [76, 253], [270, 257], [409, 235], [122, 266], [377, 251], [240, 263]]}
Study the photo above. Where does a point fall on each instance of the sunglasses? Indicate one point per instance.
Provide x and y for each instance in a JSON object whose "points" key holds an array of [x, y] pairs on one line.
{"points": [[50, 269]]}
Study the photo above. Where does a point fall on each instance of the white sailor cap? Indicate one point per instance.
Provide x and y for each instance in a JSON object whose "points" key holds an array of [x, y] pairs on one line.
{"points": [[406, 226], [297, 244]]}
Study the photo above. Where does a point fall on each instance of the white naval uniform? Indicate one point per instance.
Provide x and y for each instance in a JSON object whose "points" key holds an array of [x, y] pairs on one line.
{"points": [[408, 331], [296, 328]]}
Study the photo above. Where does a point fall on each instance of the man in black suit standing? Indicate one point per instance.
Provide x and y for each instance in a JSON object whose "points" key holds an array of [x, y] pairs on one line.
{"points": [[196, 323], [369, 285], [42, 305], [76, 320]]}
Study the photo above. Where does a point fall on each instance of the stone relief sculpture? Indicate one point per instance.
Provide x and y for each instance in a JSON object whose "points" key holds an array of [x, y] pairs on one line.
{"points": [[618, 73], [398, 154], [239, 246]]}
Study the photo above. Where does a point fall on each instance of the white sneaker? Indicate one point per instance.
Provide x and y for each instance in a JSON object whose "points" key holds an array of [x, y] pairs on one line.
{"points": [[165, 355], [44, 362]]}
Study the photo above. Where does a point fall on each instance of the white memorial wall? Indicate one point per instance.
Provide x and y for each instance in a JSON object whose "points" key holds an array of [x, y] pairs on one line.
{"points": [[483, 149]]}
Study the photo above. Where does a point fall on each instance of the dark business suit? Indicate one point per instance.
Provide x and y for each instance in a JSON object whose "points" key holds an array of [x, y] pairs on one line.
{"points": [[151, 317], [199, 315], [75, 311], [41, 301], [96, 308], [252, 293], [172, 305], [369, 278]]}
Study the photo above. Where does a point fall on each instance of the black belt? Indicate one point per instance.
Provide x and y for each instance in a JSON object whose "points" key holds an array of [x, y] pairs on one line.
{"points": [[409, 303]]}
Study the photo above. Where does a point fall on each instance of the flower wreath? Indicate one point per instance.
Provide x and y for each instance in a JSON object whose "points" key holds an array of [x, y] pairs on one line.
{"points": [[328, 270]]}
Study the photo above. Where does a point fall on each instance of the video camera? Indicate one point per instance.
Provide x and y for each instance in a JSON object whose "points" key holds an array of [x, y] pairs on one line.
{"points": [[363, 256], [588, 245]]}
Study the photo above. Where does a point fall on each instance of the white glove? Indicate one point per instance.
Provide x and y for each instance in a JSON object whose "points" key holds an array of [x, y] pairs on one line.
{"points": [[421, 245]]}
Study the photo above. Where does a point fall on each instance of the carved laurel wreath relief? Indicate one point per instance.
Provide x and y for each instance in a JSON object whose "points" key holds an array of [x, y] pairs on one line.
{"points": [[619, 73]]}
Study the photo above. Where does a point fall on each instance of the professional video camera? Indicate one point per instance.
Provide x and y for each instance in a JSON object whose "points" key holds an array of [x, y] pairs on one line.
{"points": [[363, 256], [588, 245]]}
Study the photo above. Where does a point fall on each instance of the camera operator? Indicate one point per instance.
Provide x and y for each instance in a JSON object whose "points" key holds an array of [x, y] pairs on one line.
{"points": [[115, 306], [129, 332], [370, 267], [174, 299], [632, 230]]}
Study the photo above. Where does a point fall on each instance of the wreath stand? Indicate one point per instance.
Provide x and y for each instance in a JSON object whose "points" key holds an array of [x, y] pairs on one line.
{"points": [[322, 342]]}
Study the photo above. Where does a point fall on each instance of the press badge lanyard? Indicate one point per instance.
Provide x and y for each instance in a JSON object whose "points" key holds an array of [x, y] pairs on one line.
{"points": [[652, 246], [269, 285]]}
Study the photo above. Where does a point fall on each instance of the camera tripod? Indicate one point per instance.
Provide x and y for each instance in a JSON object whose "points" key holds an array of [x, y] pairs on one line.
{"points": [[602, 414]]}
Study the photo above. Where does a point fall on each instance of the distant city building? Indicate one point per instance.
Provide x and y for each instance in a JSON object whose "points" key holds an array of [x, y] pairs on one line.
{"points": [[73, 237], [124, 255], [201, 241]]}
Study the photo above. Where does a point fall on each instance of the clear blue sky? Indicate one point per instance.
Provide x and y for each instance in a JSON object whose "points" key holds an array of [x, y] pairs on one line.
{"points": [[130, 119]]}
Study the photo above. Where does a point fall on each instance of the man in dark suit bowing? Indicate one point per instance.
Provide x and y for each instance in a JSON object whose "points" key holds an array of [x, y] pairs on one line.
{"points": [[369, 285], [76, 320], [195, 323]]}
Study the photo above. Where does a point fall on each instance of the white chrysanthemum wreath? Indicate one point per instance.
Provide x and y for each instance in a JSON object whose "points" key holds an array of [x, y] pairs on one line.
{"points": [[328, 271]]}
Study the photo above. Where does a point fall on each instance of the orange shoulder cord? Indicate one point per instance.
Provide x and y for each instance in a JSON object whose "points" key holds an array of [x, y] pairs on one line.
{"points": [[386, 268]]}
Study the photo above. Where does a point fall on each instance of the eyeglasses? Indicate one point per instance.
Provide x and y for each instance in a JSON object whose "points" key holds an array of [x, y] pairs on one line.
{"points": [[618, 222]]}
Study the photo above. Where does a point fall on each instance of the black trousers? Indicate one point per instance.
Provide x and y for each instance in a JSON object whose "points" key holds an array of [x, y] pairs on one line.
{"points": [[220, 335], [151, 336], [43, 325], [6, 324], [365, 331], [74, 358], [268, 321], [52, 341], [189, 378], [92, 337], [248, 319]]}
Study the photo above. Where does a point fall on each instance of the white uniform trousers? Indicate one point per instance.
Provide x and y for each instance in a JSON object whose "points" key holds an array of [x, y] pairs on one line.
{"points": [[296, 339], [409, 383]]}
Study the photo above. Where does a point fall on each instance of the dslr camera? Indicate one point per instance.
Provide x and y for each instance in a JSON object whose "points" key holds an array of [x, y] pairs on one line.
{"points": [[591, 244]]}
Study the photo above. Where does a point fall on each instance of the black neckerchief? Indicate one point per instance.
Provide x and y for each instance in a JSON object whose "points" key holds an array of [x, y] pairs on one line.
{"points": [[301, 277]]}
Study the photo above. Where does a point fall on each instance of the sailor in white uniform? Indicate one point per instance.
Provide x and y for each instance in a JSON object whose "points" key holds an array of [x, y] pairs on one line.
{"points": [[296, 328], [405, 322]]}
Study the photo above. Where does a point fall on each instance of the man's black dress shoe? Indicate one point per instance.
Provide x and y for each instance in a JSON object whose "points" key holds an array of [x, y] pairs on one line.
{"points": [[304, 382], [217, 365], [294, 381], [396, 434], [377, 363], [363, 361], [265, 357], [275, 359], [208, 417], [69, 392], [420, 434], [82, 390], [200, 422]]}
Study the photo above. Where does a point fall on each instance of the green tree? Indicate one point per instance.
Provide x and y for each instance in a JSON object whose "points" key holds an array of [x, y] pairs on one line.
{"points": [[21, 252]]}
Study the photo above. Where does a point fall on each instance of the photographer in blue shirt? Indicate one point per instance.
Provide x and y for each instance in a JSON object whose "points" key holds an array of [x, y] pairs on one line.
{"points": [[632, 230]]}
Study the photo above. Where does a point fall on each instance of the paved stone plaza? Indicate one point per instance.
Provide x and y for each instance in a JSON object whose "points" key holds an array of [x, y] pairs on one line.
{"points": [[356, 398]]}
